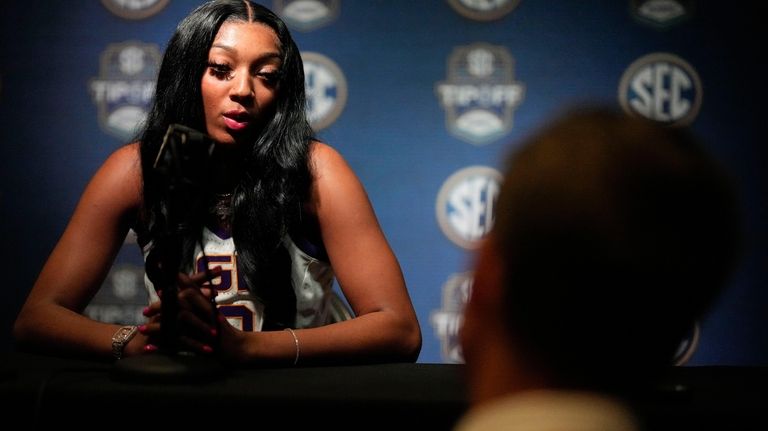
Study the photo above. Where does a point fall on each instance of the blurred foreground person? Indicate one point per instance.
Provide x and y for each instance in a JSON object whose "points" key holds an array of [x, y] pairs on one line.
{"points": [[612, 236]]}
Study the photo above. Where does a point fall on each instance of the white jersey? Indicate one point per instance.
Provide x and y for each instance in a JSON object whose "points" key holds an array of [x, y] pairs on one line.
{"points": [[312, 281]]}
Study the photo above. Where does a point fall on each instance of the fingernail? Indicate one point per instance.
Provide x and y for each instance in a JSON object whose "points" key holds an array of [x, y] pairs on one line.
{"points": [[142, 328], [150, 348], [207, 348], [214, 332], [145, 311]]}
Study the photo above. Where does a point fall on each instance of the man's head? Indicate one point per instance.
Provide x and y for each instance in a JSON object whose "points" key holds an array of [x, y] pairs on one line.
{"points": [[612, 236]]}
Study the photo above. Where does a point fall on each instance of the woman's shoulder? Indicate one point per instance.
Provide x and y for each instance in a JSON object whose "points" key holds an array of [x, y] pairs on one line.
{"points": [[121, 173], [321, 153], [125, 157], [335, 186], [325, 160]]}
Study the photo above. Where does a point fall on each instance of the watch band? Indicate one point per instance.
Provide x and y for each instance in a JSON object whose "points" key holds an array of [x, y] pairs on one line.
{"points": [[121, 338]]}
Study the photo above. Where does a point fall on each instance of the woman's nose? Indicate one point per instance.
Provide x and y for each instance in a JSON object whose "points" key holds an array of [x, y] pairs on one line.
{"points": [[242, 87]]}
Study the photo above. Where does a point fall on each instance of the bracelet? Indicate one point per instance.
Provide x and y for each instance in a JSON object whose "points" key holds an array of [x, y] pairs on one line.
{"points": [[296, 342], [121, 338]]}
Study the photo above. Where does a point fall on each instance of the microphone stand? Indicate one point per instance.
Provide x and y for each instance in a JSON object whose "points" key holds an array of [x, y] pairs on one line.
{"points": [[182, 165]]}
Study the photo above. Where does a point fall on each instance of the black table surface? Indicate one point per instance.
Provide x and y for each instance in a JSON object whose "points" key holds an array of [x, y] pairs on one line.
{"points": [[53, 391], [47, 391]]}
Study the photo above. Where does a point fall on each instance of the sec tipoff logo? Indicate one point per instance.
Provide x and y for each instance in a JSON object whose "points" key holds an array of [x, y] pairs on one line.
{"points": [[661, 87], [447, 321], [326, 89], [135, 9], [480, 94], [661, 13], [483, 10], [306, 15], [465, 204], [125, 86]]}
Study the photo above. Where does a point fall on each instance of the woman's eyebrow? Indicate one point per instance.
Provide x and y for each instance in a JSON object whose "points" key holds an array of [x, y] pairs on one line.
{"points": [[266, 55]]}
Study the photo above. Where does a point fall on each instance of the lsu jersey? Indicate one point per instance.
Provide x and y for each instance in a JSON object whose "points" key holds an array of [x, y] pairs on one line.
{"points": [[312, 279]]}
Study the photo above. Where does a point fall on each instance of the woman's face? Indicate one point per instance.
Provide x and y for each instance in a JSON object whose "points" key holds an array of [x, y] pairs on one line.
{"points": [[239, 85]]}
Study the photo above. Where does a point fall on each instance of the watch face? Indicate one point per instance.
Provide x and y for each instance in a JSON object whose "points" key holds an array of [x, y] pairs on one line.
{"points": [[121, 337]]}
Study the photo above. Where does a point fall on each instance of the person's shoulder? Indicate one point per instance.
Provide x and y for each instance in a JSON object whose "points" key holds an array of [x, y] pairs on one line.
{"points": [[321, 153], [125, 161], [325, 158], [125, 154], [121, 171]]}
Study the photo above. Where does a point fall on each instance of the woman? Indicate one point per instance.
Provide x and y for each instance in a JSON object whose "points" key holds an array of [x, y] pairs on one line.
{"points": [[280, 210]]}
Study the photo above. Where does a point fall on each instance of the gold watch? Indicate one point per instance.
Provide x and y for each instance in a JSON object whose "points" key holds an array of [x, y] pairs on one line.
{"points": [[121, 338]]}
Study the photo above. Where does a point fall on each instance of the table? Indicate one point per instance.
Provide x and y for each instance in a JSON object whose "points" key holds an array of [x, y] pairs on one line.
{"points": [[47, 392], [52, 391]]}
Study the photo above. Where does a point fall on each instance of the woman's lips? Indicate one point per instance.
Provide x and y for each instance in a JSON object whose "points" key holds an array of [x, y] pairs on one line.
{"points": [[236, 122]]}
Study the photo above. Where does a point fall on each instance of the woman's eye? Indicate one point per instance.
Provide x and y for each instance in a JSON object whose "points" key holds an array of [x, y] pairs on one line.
{"points": [[271, 77], [220, 71]]}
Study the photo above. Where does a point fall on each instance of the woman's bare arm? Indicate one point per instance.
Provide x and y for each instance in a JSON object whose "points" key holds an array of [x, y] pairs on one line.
{"points": [[50, 319]]}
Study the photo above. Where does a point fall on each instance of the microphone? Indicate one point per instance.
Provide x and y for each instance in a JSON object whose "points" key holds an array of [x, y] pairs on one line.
{"points": [[181, 170]]}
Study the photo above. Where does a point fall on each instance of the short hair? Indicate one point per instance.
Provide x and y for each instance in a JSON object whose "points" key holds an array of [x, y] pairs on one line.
{"points": [[617, 233]]}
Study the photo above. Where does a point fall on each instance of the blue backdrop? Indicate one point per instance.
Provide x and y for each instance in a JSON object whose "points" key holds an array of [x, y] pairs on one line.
{"points": [[423, 98]]}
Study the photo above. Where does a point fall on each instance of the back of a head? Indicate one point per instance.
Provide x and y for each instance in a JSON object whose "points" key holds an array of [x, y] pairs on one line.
{"points": [[619, 233]]}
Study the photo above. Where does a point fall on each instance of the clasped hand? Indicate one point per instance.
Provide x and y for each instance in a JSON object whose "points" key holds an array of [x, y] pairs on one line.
{"points": [[199, 325]]}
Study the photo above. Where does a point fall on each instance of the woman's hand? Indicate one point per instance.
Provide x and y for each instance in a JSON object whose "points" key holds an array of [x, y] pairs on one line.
{"points": [[198, 322]]}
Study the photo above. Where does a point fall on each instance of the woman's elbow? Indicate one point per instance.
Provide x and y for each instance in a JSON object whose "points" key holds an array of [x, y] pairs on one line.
{"points": [[31, 329], [410, 341], [22, 332]]}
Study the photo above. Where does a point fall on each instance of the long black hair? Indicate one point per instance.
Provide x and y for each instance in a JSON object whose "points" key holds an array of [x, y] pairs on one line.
{"points": [[268, 197]]}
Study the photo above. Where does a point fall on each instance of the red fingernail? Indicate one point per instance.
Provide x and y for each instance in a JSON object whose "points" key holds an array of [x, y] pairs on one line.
{"points": [[214, 332], [145, 311], [207, 349], [150, 348], [142, 328]]}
